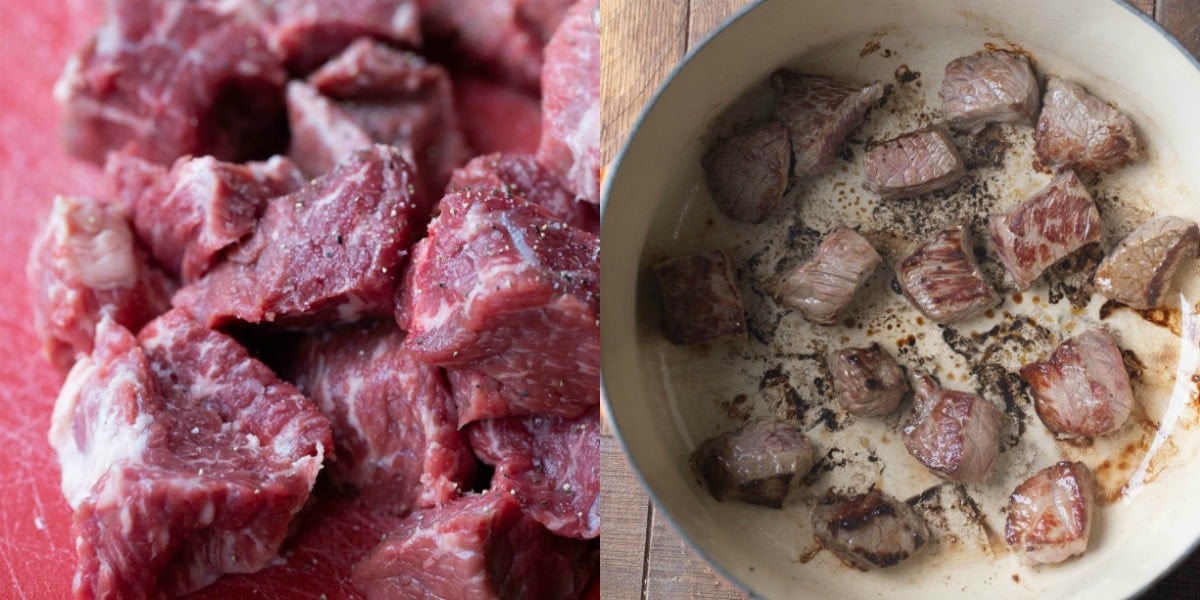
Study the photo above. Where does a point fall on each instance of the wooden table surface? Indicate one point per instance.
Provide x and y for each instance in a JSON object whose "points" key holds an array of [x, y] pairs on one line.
{"points": [[642, 40]]}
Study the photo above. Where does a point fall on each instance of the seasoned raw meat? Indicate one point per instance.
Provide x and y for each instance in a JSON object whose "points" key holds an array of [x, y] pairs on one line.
{"points": [[868, 531], [83, 266], [1138, 272], [1044, 229], [497, 118], [747, 173], [503, 288], [521, 176], [992, 86], [758, 463], [551, 466], [941, 278], [955, 434], [1080, 131], [322, 132], [477, 396], [190, 214], [168, 79], [1083, 388], [867, 381], [395, 432], [571, 103], [913, 164], [330, 252], [182, 459], [819, 114], [823, 285], [1050, 515], [477, 547], [700, 298], [305, 33]]}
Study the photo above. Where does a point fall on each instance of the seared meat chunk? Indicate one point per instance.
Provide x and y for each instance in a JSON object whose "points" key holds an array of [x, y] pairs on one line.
{"points": [[1050, 515], [1080, 131], [913, 164], [868, 531], [1083, 389], [747, 173], [700, 298], [823, 285], [1138, 272], [867, 381], [819, 113], [757, 463], [988, 87], [942, 279], [955, 434], [1044, 229]]}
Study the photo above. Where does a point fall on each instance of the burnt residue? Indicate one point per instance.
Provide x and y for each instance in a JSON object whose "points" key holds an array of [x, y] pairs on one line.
{"points": [[986, 149], [776, 389], [947, 503], [906, 75], [1108, 308], [828, 418], [871, 47], [1133, 365], [1003, 387], [1070, 278], [737, 409], [834, 458]]}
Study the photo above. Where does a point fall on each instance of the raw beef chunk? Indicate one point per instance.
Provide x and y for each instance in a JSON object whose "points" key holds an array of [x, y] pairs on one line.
{"points": [[190, 214], [822, 286], [700, 298], [942, 279], [1138, 272], [988, 87], [168, 79], [571, 103], [759, 463], [551, 466], [497, 118], [478, 396], [913, 164], [521, 176], [1050, 515], [477, 547], [869, 531], [394, 429], [819, 114], [1079, 131], [183, 459], [329, 252], [955, 434], [747, 173], [305, 33], [84, 265], [1083, 389], [867, 381], [503, 288], [1044, 229], [322, 132]]}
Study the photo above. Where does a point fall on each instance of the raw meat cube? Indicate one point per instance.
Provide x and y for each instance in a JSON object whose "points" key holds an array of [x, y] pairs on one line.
{"points": [[323, 133], [1083, 389], [1044, 229], [478, 396], [955, 434], [1050, 515], [551, 466], [869, 531], [913, 164], [1077, 130], [700, 298], [819, 114], [747, 173], [941, 278], [305, 33], [84, 265], [822, 286], [330, 252], [503, 288], [868, 381], [759, 463], [496, 117], [1139, 271], [521, 176], [571, 103], [988, 87]]}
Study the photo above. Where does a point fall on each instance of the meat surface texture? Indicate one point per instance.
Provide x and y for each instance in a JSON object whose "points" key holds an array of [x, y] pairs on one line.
{"points": [[395, 432], [700, 298], [1139, 271], [521, 176], [1077, 130], [502, 288], [551, 466], [759, 463], [322, 132], [183, 459], [1050, 515], [571, 103], [1044, 229], [955, 434], [747, 173], [497, 117], [477, 547], [913, 164], [478, 396], [85, 265], [822, 286], [330, 252], [869, 531], [819, 114], [1083, 389], [867, 381], [988, 87], [305, 33], [941, 278]]}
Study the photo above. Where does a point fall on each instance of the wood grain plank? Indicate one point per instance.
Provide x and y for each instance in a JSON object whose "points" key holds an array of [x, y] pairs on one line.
{"points": [[1182, 19], [1146, 6], [705, 15], [625, 513], [673, 571]]}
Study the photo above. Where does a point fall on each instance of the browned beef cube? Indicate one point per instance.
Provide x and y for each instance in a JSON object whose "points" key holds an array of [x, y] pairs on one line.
{"points": [[955, 434], [700, 298], [826, 283], [1138, 272], [747, 173], [1083, 388], [758, 463], [819, 114], [1080, 131], [913, 164], [867, 381], [988, 87], [1050, 515], [869, 531], [941, 278]]}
